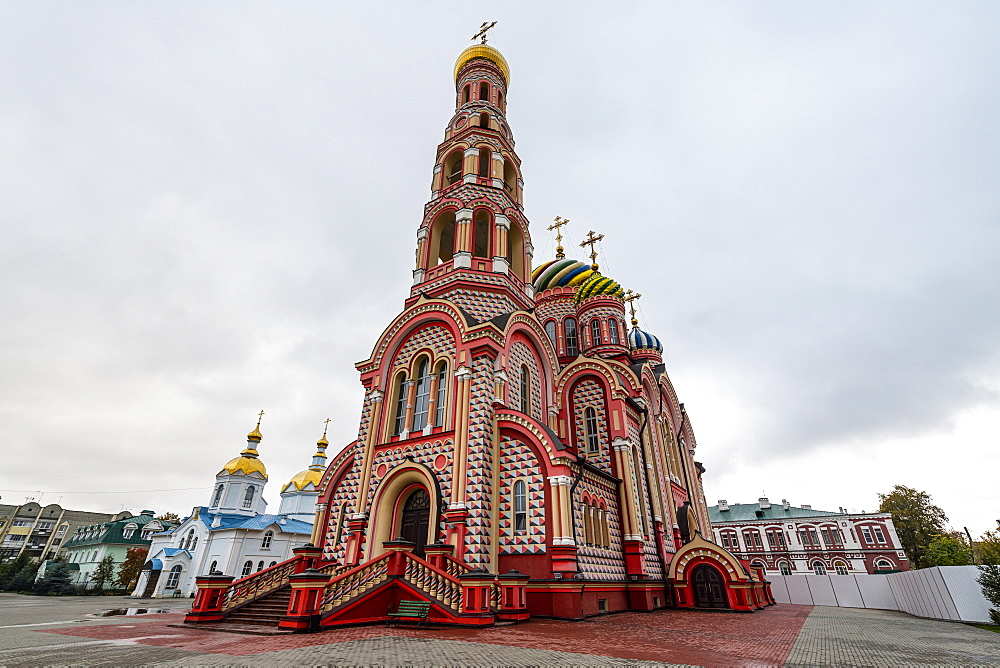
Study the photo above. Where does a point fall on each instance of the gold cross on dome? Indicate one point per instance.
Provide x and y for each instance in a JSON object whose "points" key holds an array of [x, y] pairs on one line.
{"points": [[482, 30], [560, 252], [590, 241], [629, 298], [326, 423], [260, 416]]}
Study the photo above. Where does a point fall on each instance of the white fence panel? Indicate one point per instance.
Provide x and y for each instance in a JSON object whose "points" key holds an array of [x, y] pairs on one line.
{"points": [[967, 595], [798, 590], [845, 588], [821, 589], [778, 589], [875, 592]]}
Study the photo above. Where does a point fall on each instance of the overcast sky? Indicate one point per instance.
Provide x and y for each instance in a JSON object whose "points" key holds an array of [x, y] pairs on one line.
{"points": [[209, 209]]}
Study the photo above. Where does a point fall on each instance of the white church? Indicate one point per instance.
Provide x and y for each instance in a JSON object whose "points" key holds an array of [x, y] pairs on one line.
{"points": [[234, 534]]}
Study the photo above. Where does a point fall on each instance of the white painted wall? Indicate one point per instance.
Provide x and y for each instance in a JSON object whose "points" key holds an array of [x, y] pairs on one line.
{"points": [[942, 592]]}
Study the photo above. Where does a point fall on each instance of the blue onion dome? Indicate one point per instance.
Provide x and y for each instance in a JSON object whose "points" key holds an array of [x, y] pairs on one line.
{"points": [[640, 340], [598, 286], [560, 274]]}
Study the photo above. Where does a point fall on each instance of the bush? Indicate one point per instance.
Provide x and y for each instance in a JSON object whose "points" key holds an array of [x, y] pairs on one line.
{"points": [[57, 581], [989, 580], [995, 617]]}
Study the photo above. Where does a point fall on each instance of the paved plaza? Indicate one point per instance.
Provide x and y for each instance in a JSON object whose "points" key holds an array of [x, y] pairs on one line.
{"points": [[64, 631]]}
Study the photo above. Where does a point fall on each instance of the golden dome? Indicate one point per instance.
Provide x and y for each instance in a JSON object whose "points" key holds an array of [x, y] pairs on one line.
{"points": [[255, 435], [303, 478], [245, 465], [483, 51]]}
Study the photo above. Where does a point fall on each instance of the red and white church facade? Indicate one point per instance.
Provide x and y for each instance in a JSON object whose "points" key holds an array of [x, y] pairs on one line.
{"points": [[521, 449]]}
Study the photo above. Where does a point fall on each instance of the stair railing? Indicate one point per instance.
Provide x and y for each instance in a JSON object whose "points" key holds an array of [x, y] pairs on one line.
{"points": [[259, 584], [355, 582], [442, 585]]}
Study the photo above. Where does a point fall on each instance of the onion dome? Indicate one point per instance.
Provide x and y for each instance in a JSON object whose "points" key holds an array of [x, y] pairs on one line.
{"points": [[313, 474], [598, 286], [482, 51], [640, 340], [560, 274], [248, 462]]}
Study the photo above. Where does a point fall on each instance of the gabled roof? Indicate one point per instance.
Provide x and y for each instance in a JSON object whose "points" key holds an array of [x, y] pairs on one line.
{"points": [[742, 512], [114, 532], [254, 523]]}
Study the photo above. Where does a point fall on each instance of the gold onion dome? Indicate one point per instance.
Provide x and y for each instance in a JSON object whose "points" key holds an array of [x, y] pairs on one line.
{"points": [[482, 51], [247, 463], [303, 478], [598, 286]]}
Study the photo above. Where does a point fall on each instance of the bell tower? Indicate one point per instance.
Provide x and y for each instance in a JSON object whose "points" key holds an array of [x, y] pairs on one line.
{"points": [[473, 242]]}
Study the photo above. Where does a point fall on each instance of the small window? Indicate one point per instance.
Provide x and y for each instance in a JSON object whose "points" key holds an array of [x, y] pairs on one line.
{"points": [[485, 156], [260, 565], [397, 426], [454, 167], [590, 429], [484, 91], [550, 331], [174, 577], [273, 563], [214, 567], [525, 390], [265, 543], [247, 568], [613, 331], [482, 238], [129, 531], [569, 328], [218, 496], [840, 567], [520, 507], [884, 565], [500, 99], [442, 393], [595, 332], [248, 498], [466, 93], [819, 568], [785, 568], [484, 121], [423, 396], [866, 532], [879, 536]]}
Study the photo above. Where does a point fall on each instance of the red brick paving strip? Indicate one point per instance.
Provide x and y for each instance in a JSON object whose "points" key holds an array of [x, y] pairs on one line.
{"points": [[675, 636]]}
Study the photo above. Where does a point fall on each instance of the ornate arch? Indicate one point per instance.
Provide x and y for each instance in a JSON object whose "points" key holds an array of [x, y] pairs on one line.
{"points": [[397, 480]]}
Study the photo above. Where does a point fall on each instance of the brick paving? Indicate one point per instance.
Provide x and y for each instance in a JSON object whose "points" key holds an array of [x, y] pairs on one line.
{"points": [[58, 631]]}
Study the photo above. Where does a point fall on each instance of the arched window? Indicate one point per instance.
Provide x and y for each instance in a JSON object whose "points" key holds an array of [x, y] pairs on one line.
{"points": [[590, 428], [213, 567], [260, 565], [454, 166], [218, 496], [819, 568], [884, 565], [342, 519], [525, 389], [613, 331], [509, 175], [422, 400], [484, 91], [569, 329], [520, 507], [550, 331], [483, 168], [400, 419], [785, 568], [265, 542], [129, 531], [482, 239], [442, 394], [248, 498], [188, 541], [484, 120], [174, 577], [273, 563], [466, 92], [500, 100], [595, 332], [247, 569], [194, 544], [840, 567]]}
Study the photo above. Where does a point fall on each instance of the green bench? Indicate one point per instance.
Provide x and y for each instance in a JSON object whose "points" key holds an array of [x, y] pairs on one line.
{"points": [[409, 610]]}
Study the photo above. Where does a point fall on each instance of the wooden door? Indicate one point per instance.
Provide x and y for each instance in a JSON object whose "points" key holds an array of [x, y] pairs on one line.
{"points": [[416, 520], [709, 589]]}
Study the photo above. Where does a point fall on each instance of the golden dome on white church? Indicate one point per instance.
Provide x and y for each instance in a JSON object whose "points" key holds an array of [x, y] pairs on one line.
{"points": [[313, 474], [248, 462], [483, 51]]}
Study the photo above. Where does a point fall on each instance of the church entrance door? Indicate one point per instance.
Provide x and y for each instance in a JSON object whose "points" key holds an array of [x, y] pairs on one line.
{"points": [[709, 589], [154, 577], [416, 520]]}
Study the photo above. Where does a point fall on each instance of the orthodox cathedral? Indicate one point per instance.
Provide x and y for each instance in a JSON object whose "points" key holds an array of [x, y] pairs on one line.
{"points": [[521, 449]]}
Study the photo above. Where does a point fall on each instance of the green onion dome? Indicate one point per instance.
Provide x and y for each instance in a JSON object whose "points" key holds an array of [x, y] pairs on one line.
{"points": [[560, 273], [597, 286]]}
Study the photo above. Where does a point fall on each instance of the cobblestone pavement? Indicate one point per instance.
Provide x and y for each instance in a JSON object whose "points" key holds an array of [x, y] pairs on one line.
{"points": [[858, 637], [58, 631]]}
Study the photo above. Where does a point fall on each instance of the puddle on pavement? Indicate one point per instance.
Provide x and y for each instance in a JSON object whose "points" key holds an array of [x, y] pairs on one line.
{"points": [[129, 612]]}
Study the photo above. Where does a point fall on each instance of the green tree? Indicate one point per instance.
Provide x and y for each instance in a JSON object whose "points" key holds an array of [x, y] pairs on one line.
{"points": [[948, 551], [104, 573], [988, 548], [917, 521], [989, 580], [19, 574], [129, 570], [58, 579]]}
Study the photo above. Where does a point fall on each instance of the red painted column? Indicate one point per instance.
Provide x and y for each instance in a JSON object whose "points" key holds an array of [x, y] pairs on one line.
{"points": [[477, 590], [397, 560], [435, 554], [304, 604], [208, 601], [309, 554], [514, 596]]}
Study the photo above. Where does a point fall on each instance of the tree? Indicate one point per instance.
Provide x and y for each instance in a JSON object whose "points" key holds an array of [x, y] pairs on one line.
{"points": [[19, 574], [104, 573], [169, 517], [58, 579], [989, 580], [917, 521], [129, 570], [948, 551], [988, 548]]}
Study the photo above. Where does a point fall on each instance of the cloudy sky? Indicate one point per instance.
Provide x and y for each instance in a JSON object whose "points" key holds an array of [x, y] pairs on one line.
{"points": [[209, 209]]}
